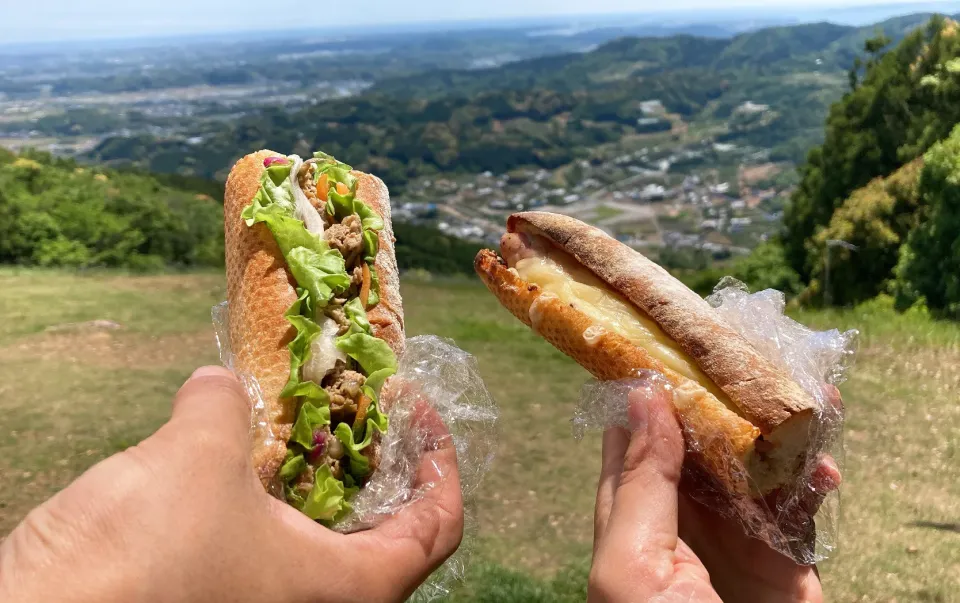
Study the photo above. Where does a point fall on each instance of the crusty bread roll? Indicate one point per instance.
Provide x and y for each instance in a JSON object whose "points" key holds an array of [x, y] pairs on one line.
{"points": [[260, 289], [751, 413]]}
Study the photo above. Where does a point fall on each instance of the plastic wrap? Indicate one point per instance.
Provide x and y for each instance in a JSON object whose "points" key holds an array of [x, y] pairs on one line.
{"points": [[432, 370], [818, 361]]}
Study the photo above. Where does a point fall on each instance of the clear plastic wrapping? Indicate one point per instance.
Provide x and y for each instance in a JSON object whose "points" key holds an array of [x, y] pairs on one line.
{"points": [[818, 361], [434, 371]]}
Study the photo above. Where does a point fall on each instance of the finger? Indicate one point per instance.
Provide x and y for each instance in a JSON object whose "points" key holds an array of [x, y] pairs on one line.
{"points": [[643, 520], [824, 480], [826, 477], [212, 403], [615, 441], [418, 539], [834, 400]]}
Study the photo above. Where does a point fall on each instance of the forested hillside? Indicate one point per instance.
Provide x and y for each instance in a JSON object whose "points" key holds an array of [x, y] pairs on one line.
{"points": [[542, 112], [57, 212], [60, 213], [886, 178]]}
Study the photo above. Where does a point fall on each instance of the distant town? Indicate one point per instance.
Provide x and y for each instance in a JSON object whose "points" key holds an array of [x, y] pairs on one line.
{"points": [[709, 197]]}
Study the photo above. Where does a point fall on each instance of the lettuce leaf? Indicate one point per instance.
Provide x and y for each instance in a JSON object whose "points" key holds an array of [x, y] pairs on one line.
{"points": [[370, 219], [341, 206], [373, 354], [354, 444], [327, 497], [377, 420], [289, 232], [374, 297], [275, 187], [293, 497], [309, 419], [307, 331], [359, 464], [371, 243], [357, 315], [322, 273], [374, 381], [292, 467]]}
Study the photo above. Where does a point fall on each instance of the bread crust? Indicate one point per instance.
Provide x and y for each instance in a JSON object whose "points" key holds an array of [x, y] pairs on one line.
{"points": [[260, 289], [763, 393], [718, 435], [386, 318]]}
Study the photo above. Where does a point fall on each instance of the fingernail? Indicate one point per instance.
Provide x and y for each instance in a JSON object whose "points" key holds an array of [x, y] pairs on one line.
{"points": [[210, 371], [637, 412]]}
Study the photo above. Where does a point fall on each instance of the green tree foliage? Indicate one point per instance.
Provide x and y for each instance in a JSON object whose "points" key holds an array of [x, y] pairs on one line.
{"points": [[400, 139], [877, 219], [766, 267], [542, 112], [929, 267], [58, 213], [426, 248], [887, 119]]}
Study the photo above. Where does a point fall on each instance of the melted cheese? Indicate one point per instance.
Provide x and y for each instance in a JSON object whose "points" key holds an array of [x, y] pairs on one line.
{"points": [[559, 274]]}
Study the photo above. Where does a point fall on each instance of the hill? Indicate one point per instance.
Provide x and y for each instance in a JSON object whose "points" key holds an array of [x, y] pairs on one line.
{"points": [[903, 105], [400, 139], [544, 111], [59, 213], [764, 51]]}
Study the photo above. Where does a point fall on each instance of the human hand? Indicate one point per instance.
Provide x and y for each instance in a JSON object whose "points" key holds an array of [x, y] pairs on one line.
{"points": [[182, 517], [747, 569], [640, 517]]}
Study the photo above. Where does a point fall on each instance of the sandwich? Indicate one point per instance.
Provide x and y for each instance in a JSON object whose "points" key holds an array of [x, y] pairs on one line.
{"points": [[747, 423], [315, 322]]}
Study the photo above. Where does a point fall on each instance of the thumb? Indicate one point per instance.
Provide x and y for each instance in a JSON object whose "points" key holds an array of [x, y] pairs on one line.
{"points": [[212, 403], [642, 525]]}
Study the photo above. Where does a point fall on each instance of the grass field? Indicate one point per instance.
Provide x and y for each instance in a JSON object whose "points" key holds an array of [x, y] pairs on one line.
{"points": [[71, 394]]}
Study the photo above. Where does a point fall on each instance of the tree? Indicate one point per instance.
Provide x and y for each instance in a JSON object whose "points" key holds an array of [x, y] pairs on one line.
{"points": [[887, 120], [766, 268], [929, 266], [877, 219]]}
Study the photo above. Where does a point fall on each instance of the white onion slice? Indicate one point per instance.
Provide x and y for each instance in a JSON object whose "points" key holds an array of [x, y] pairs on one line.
{"points": [[304, 210], [323, 352]]}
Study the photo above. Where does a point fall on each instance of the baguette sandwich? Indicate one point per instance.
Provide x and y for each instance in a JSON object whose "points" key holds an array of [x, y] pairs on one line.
{"points": [[315, 318], [614, 312]]}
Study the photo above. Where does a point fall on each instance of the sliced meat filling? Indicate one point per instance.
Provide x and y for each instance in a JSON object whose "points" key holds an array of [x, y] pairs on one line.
{"points": [[336, 312], [343, 386], [347, 238]]}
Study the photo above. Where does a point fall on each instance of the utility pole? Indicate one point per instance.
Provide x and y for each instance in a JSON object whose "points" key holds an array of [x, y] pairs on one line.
{"points": [[831, 243]]}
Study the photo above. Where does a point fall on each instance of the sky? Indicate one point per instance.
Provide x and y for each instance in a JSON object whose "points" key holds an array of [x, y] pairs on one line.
{"points": [[21, 21]]}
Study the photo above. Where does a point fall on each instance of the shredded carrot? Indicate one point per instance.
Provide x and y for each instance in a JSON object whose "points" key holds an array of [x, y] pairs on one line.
{"points": [[323, 185], [362, 406], [365, 285], [342, 188]]}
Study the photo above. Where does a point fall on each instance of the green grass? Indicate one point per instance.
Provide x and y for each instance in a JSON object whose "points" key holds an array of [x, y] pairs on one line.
{"points": [[605, 212], [71, 396]]}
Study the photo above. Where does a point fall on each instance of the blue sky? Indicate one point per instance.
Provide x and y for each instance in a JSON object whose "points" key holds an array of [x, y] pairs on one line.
{"points": [[21, 21]]}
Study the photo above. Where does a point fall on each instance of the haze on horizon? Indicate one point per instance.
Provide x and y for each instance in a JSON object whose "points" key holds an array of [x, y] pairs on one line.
{"points": [[68, 20]]}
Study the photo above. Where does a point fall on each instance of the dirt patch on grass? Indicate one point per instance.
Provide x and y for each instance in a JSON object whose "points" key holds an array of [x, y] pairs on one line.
{"points": [[754, 173], [114, 349]]}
